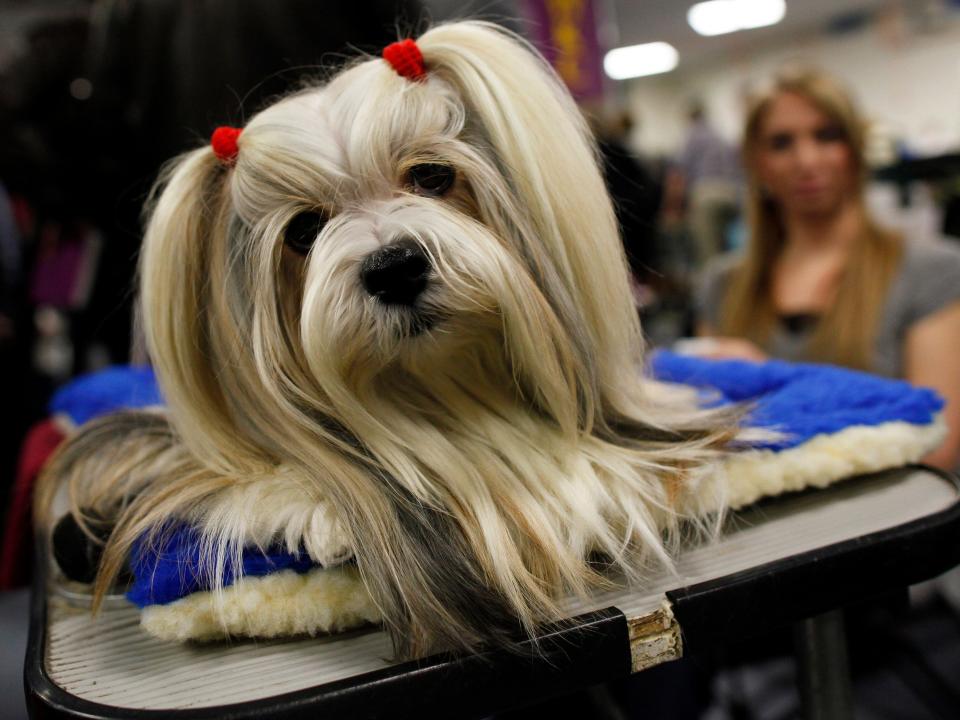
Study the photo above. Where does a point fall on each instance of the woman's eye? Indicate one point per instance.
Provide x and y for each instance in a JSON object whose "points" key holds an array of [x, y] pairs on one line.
{"points": [[780, 141], [432, 179], [303, 230]]}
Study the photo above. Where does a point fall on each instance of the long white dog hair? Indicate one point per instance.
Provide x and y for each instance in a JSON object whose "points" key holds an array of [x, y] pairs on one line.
{"points": [[476, 451]]}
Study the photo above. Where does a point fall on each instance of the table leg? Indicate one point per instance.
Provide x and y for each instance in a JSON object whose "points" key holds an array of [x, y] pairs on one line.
{"points": [[823, 673]]}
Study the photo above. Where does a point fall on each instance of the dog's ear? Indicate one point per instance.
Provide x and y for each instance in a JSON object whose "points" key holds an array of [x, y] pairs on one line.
{"points": [[183, 295], [544, 147]]}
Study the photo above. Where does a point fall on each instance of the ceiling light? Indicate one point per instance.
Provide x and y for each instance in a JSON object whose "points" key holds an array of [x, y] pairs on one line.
{"points": [[639, 60], [717, 17]]}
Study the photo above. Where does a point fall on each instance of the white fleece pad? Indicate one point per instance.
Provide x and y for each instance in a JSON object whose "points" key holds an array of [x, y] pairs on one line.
{"points": [[282, 604]]}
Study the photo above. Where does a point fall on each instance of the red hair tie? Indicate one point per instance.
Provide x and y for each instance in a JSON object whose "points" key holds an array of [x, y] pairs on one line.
{"points": [[224, 143], [405, 57]]}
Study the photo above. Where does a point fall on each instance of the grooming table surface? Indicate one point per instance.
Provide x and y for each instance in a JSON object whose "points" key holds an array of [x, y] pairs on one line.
{"points": [[776, 562]]}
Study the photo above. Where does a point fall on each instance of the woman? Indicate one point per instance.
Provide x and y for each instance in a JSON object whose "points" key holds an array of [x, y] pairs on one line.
{"points": [[819, 280]]}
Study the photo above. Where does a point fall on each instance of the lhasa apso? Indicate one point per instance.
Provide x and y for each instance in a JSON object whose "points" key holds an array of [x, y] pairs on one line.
{"points": [[392, 320]]}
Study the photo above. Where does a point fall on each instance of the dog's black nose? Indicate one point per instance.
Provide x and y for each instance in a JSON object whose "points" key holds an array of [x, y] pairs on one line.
{"points": [[396, 274]]}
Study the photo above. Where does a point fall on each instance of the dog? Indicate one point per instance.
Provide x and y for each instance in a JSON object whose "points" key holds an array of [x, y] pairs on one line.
{"points": [[391, 320]]}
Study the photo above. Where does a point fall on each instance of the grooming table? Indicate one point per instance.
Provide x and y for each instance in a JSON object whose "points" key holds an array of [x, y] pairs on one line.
{"points": [[778, 562]]}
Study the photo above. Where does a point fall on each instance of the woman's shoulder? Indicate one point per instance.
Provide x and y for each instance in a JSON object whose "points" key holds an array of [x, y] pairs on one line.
{"points": [[934, 256], [929, 277]]}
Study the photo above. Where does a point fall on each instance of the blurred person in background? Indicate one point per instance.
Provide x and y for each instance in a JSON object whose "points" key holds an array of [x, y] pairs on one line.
{"points": [[635, 193], [819, 280], [703, 187]]}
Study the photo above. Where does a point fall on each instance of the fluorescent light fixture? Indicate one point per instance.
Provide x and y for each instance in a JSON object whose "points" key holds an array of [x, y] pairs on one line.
{"points": [[717, 17], [639, 60]]}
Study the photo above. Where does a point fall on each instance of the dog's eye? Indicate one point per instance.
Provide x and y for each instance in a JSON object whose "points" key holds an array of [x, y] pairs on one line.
{"points": [[302, 231], [432, 179]]}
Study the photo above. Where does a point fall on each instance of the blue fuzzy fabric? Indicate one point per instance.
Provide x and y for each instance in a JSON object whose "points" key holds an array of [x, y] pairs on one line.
{"points": [[173, 570], [800, 400], [106, 391]]}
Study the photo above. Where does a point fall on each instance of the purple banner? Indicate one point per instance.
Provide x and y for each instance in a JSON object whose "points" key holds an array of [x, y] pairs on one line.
{"points": [[565, 31]]}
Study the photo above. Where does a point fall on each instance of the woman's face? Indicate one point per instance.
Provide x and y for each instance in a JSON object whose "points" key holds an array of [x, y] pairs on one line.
{"points": [[802, 159]]}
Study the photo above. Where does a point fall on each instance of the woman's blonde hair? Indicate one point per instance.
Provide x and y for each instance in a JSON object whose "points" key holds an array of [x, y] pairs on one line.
{"points": [[846, 332]]}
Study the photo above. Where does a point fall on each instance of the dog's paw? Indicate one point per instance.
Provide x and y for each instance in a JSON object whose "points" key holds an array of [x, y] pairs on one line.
{"points": [[276, 511], [325, 539]]}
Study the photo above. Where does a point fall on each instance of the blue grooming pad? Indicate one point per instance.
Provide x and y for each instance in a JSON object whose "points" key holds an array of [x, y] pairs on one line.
{"points": [[173, 569], [800, 400], [115, 388]]}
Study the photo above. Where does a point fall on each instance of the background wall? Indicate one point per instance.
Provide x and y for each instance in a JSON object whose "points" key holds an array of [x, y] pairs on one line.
{"points": [[904, 72]]}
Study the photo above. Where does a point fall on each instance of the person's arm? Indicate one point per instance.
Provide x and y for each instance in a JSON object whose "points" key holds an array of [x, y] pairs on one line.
{"points": [[932, 359], [722, 347], [702, 328], [674, 191], [714, 345]]}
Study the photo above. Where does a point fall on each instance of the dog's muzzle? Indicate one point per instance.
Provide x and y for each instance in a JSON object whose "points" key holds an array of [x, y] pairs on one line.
{"points": [[396, 274]]}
